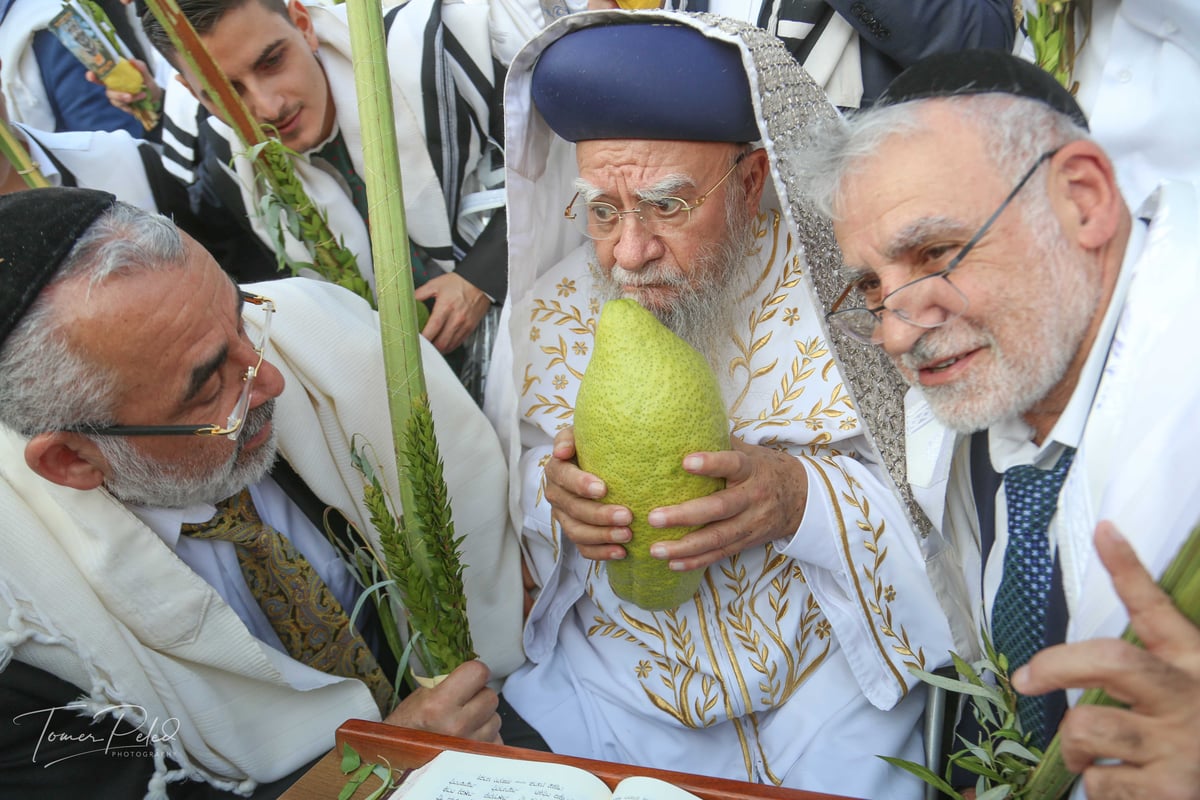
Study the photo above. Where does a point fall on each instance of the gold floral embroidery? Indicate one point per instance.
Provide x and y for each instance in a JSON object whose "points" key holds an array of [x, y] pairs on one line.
{"points": [[755, 632], [529, 380], [875, 597]]}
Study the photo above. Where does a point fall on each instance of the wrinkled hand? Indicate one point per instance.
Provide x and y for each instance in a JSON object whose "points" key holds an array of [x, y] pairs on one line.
{"points": [[462, 705], [765, 494], [457, 309], [1157, 739], [763, 499], [597, 529], [125, 100]]}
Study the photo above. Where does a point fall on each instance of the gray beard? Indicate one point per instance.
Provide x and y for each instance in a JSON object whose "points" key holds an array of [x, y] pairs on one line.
{"points": [[139, 480], [706, 304]]}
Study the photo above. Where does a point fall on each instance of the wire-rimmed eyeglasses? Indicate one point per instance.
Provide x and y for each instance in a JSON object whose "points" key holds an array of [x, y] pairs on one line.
{"points": [[600, 220], [913, 302], [233, 425]]}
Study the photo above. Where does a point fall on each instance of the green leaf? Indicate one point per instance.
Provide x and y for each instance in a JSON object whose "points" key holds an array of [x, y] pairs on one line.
{"points": [[350, 759], [995, 793], [925, 774], [966, 670], [386, 783], [356, 780]]}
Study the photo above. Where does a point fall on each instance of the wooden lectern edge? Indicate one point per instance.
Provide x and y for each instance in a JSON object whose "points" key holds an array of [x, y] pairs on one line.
{"points": [[404, 748]]}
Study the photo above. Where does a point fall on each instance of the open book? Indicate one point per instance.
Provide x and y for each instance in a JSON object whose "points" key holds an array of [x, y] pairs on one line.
{"points": [[452, 775]]}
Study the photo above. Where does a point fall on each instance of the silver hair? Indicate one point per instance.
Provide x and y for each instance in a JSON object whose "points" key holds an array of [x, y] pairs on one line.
{"points": [[44, 385], [1015, 131]]}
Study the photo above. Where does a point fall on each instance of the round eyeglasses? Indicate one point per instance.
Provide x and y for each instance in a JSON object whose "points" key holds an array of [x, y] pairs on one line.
{"points": [[930, 301], [662, 216], [258, 338]]}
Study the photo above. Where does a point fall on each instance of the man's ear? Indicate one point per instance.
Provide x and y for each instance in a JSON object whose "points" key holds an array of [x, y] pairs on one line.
{"points": [[67, 459], [303, 22], [754, 177], [1085, 194]]}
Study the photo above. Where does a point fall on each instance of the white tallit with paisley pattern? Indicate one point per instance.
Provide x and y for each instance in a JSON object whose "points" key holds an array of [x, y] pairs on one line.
{"points": [[790, 664]]}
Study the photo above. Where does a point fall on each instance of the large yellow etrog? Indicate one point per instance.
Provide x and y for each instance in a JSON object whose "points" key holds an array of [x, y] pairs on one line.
{"points": [[646, 400]]}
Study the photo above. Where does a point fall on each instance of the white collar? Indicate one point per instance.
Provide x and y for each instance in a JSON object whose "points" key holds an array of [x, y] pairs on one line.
{"points": [[167, 522], [42, 160]]}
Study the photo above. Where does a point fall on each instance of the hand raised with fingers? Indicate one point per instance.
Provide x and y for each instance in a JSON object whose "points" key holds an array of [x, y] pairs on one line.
{"points": [[1152, 748]]}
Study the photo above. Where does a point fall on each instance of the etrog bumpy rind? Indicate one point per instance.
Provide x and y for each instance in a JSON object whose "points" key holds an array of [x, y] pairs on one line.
{"points": [[646, 400]]}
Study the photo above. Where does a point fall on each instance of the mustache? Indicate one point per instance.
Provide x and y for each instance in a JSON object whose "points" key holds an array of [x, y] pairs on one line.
{"points": [[651, 275], [940, 344], [256, 420], [281, 118]]}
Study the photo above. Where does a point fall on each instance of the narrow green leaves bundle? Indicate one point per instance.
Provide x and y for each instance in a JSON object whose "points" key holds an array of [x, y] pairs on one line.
{"points": [[420, 551], [1052, 33], [1003, 759]]}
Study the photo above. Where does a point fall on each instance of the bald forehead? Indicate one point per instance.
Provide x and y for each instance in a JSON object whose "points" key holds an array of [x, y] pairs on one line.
{"points": [[943, 151]]}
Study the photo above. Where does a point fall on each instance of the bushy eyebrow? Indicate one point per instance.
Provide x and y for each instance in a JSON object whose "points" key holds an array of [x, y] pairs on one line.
{"points": [[911, 237], [919, 232], [668, 186]]}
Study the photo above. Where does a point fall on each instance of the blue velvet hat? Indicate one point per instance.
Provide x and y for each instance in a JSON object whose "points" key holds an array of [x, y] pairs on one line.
{"points": [[38, 228], [644, 80]]}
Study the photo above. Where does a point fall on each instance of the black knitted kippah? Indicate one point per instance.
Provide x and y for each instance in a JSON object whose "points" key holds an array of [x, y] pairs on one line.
{"points": [[980, 72], [38, 228]]}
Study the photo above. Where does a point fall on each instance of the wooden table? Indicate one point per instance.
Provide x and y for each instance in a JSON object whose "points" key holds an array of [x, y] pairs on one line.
{"points": [[405, 748]]}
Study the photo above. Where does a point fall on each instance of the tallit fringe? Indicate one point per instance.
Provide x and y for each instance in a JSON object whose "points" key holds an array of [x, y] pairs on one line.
{"points": [[24, 624]]}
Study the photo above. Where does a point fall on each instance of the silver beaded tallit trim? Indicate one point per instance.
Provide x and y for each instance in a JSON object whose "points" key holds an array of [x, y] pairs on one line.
{"points": [[791, 110]]}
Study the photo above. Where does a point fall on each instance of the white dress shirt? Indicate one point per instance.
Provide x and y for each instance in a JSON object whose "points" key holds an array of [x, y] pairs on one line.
{"points": [[1010, 444], [216, 561]]}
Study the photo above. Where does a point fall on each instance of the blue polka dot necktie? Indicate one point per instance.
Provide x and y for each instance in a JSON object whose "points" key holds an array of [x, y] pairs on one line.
{"points": [[1019, 612]]}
